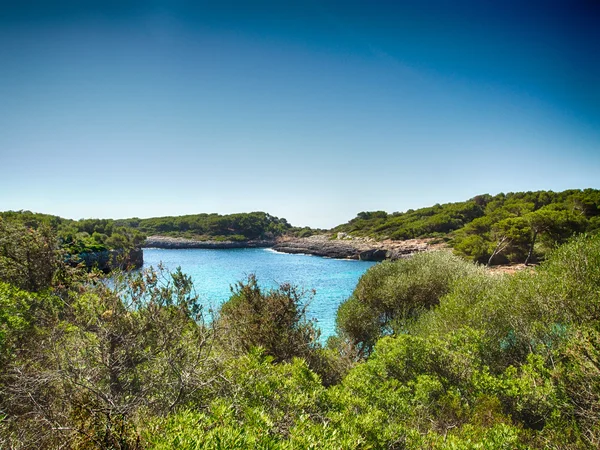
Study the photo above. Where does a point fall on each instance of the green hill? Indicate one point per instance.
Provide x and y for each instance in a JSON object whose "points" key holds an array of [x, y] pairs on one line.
{"points": [[513, 227], [239, 226], [104, 234]]}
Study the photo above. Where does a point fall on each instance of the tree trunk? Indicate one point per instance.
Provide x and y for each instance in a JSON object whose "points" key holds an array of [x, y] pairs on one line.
{"points": [[530, 254], [502, 244]]}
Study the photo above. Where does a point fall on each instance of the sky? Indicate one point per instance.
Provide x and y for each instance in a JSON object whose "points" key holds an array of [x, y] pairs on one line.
{"points": [[312, 111]]}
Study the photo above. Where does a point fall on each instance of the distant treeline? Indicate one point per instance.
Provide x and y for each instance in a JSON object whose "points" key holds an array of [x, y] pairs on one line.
{"points": [[242, 226], [92, 235], [513, 227]]}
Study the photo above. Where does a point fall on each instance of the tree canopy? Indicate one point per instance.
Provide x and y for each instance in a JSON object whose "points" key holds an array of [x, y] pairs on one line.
{"points": [[239, 226], [513, 227]]}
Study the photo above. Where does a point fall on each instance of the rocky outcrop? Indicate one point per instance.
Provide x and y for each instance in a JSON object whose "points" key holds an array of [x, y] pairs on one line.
{"points": [[352, 248], [320, 246], [376, 254], [179, 243]]}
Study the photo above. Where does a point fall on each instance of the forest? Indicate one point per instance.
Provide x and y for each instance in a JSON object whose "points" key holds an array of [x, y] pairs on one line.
{"points": [[241, 226], [517, 227], [434, 351]]}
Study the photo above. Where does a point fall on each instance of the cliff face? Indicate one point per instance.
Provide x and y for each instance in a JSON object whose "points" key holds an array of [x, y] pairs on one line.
{"points": [[111, 259], [320, 245]]}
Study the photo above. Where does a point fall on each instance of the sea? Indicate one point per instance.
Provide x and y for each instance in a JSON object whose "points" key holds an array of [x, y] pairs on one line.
{"points": [[215, 271]]}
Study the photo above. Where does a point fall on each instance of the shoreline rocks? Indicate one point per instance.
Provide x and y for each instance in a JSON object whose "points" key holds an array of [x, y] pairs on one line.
{"points": [[352, 248], [319, 246]]}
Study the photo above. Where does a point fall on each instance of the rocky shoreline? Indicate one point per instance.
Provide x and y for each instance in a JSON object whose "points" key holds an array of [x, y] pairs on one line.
{"points": [[338, 246], [346, 247], [180, 243]]}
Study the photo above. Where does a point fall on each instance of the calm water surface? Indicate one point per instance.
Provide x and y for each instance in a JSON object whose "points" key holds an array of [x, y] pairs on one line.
{"points": [[214, 271]]}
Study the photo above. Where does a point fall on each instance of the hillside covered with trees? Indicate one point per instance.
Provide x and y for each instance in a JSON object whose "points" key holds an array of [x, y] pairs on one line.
{"points": [[513, 227], [241, 226], [78, 236], [431, 352], [93, 235]]}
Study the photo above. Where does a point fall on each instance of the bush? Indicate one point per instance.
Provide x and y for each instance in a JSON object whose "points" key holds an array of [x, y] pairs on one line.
{"points": [[258, 407], [500, 307], [28, 257], [391, 294], [273, 319], [525, 312], [119, 354], [570, 281], [579, 375]]}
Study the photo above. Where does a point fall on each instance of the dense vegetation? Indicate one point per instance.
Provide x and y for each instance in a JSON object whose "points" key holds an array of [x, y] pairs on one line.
{"points": [[514, 227], [242, 226], [78, 236], [89, 235], [432, 352]]}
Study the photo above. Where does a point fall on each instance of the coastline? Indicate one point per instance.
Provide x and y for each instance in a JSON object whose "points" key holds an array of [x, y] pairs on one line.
{"points": [[347, 247], [323, 245], [168, 242]]}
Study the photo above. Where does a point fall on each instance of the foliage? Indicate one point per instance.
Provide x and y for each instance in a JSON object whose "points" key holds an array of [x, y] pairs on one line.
{"points": [[260, 408], [303, 232], [579, 373], [526, 311], [113, 355], [512, 224], [275, 321], [424, 222], [254, 225], [97, 235], [394, 292], [82, 236], [20, 313], [460, 359], [514, 227], [28, 257]]}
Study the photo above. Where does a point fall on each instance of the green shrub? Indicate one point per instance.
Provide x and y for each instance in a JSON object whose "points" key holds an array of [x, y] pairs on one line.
{"points": [[525, 312], [273, 319], [579, 375], [28, 257], [258, 407], [391, 294], [115, 354]]}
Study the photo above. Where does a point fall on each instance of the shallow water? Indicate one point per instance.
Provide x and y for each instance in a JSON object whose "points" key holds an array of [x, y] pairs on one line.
{"points": [[214, 271]]}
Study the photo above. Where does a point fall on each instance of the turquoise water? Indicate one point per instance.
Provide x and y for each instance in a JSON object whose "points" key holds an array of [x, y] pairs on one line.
{"points": [[214, 271]]}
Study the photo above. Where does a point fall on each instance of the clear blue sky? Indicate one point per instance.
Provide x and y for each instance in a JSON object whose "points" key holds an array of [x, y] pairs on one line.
{"points": [[312, 111]]}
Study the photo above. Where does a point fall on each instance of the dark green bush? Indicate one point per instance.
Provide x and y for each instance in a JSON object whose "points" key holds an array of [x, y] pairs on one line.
{"points": [[272, 319], [28, 257]]}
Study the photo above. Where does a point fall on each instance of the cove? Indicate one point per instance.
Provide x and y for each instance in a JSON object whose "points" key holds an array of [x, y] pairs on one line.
{"points": [[214, 271]]}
